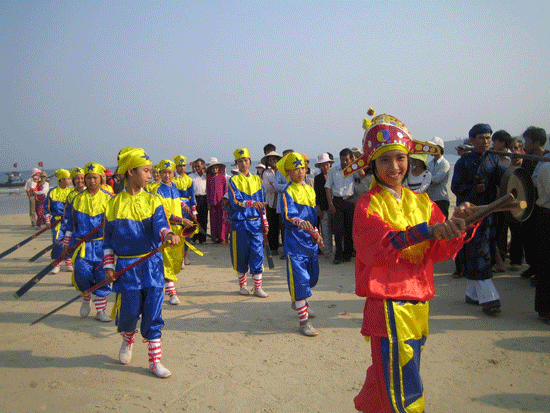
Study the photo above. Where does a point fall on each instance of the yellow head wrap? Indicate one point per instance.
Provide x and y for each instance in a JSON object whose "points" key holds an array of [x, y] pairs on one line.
{"points": [[166, 164], [132, 158], [93, 168], [241, 153], [180, 160], [123, 150], [77, 171], [289, 162], [62, 174]]}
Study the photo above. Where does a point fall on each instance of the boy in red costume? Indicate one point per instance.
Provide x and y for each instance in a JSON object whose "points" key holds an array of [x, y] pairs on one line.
{"points": [[398, 235]]}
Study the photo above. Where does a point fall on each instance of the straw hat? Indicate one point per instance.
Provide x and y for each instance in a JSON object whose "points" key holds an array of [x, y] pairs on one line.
{"points": [[272, 153]]}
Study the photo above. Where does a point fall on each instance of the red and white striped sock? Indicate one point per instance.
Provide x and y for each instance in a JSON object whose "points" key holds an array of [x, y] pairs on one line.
{"points": [[155, 350], [100, 303], [242, 280], [170, 288], [129, 338], [68, 262], [301, 307], [257, 281], [87, 297]]}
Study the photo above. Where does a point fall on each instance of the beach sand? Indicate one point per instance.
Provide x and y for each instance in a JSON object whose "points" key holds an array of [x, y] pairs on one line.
{"points": [[230, 353]]}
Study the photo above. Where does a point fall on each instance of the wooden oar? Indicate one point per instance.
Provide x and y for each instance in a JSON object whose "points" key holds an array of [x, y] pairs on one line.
{"points": [[10, 250], [45, 250], [32, 282], [501, 204], [101, 284]]}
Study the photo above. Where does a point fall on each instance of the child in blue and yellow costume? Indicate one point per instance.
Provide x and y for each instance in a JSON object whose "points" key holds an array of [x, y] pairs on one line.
{"points": [[247, 219], [184, 183], [85, 213], [54, 208], [135, 225], [170, 197], [398, 236], [297, 204], [77, 176]]}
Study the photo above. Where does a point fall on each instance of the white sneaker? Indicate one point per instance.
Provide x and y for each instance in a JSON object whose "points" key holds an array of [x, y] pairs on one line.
{"points": [[311, 313], [159, 370], [308, 330], [174, 300], [101, 316], [85, 309], [69, 268], [55, 270], [125, 353], [244, 291], [186, 260], [258, 292]]}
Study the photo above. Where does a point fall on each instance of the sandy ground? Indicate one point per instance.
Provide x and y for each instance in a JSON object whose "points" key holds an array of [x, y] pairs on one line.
{"points": [[230, 353]]}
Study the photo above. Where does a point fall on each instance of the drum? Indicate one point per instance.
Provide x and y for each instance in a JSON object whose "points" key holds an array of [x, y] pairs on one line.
{"points": [[518, 182]]}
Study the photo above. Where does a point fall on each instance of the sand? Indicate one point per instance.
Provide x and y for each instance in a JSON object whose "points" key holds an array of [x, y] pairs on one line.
{"points": [[230, 353]]}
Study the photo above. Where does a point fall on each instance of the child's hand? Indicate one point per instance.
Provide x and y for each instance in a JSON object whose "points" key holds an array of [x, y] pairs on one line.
{"points": [[258, 205], [172, 238], [465, 209], [187, 223], [306, 226], [186, 208], [109, 275], [449, 229]]}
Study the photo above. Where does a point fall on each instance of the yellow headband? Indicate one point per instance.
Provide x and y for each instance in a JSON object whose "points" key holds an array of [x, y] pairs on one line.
{"points": [[77, 171], [133, 158], [93, 168], [289, 162], [180, 160], [241, 153], [166, 164], [62, 174]]}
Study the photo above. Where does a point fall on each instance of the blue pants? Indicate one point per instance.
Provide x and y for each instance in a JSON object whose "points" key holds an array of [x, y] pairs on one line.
{"points": [[56, 236], [86, 276], [302, 274], [147, 303], [247, 246]]}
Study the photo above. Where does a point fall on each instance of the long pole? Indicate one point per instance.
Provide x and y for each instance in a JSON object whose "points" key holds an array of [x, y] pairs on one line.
{"points": [[34, 280], [521, 156], [101, 284], [33, 236]]}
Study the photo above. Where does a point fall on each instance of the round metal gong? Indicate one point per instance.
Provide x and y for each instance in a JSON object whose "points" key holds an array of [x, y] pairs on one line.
{"points": [[518, 182]]}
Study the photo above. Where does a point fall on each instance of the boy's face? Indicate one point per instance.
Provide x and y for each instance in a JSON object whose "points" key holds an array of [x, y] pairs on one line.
{"points": [[244, 165], [156, 175], [167, 175], [93, 181], [199, 167], [272, 161], [64, 182], [181, 169], [141, 175], [78, 182], [481, 142], [298, 174]]}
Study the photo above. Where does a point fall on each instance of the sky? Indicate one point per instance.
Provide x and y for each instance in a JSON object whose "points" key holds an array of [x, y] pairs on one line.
{"points": [[79, 80]]}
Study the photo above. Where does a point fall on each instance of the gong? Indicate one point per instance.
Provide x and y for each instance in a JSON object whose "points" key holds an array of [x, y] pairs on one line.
{"points": [[518, 182]]}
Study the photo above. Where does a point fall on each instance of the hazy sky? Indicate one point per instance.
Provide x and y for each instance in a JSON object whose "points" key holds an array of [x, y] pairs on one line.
{"points": [[79, 80]]}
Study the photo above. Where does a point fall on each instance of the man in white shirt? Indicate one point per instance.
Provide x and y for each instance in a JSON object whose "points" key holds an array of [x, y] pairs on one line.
{"points": [[341, 207], [199, 186]]}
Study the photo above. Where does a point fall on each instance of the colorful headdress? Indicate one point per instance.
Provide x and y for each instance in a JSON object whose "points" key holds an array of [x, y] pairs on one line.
{"points": [[76, 171], [180, 160], [93, 168], [62, 174], [132, 158], [166, 164], [289, 162], [241, 153], [385, 133]]}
